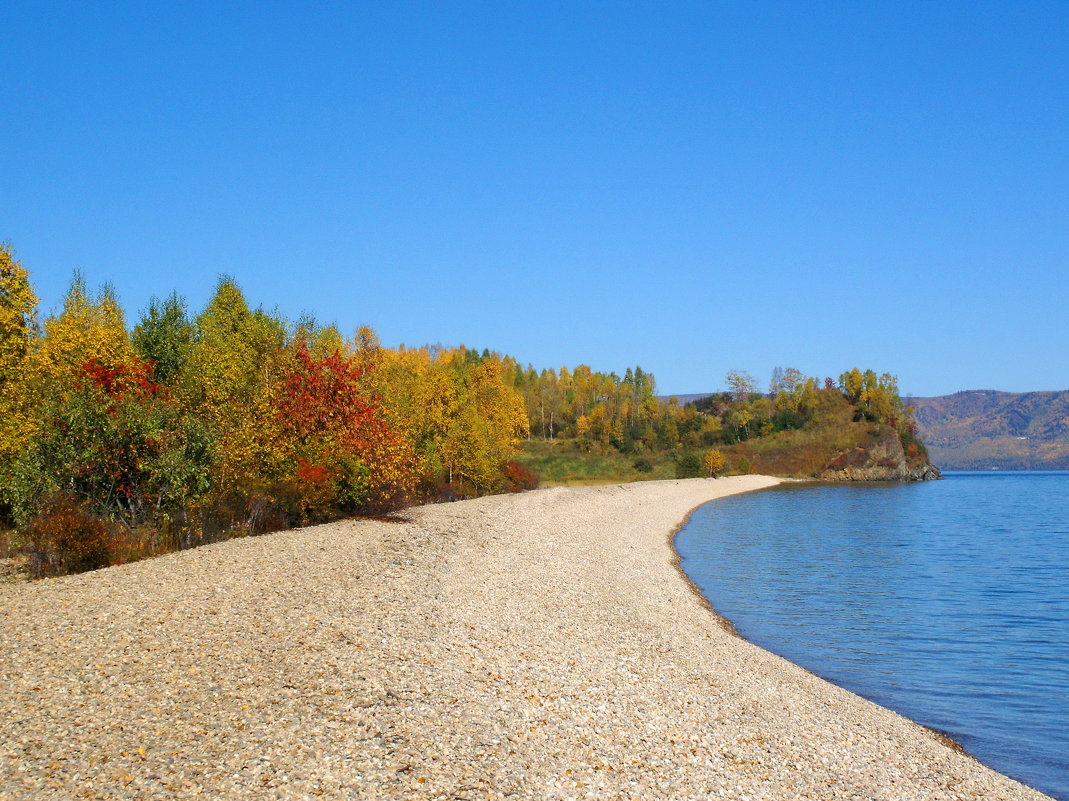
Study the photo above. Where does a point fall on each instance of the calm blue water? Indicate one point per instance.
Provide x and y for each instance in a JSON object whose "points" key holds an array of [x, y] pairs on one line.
{"points": [[947, 601]]}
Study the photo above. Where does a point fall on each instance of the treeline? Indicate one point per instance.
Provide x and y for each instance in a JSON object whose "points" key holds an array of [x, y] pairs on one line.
{"points": [[802, 424], [596, 408], [599, 413], [795, 400], [602, 410], [117, 442]]}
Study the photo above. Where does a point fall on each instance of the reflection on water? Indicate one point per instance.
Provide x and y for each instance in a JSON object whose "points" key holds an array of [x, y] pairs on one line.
{"points": [[947, 601]]}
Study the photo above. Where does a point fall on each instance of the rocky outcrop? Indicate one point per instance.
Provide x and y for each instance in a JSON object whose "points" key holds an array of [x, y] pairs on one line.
{"points": [[883, 459]]}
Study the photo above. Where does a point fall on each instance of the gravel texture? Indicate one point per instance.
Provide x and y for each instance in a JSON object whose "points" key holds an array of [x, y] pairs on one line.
{"points": [[540, 646]]}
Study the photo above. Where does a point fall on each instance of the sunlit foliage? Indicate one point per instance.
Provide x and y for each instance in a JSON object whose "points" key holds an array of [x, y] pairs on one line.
{"points": [[91, 327], [340, 453], [164, 337], [192, 427], [18, 332], [18, 317], [712, 463]]}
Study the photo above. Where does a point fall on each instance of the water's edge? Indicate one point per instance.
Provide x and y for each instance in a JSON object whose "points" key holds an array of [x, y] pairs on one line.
{"points": [[938, 735]]}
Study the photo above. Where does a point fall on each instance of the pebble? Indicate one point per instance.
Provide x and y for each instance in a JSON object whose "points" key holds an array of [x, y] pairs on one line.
{"points": [[538, 646]]}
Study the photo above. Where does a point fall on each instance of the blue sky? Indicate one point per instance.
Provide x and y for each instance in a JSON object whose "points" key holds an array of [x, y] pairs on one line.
{"points": [[692, 187]]}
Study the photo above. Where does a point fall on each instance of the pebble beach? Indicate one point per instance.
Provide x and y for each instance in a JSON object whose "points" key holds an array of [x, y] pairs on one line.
{"points": [[541, 645]]}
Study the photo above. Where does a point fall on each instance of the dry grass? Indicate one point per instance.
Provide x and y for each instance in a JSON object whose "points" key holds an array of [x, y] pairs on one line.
{"points": [[799, 454]]}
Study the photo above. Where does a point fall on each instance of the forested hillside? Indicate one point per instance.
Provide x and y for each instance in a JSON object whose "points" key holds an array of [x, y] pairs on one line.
{"points": [[856, 428], [985, 429]]}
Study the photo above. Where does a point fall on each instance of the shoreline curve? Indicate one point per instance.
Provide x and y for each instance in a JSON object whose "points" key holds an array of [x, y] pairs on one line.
{"points": [[677, 561], [538, 645]]}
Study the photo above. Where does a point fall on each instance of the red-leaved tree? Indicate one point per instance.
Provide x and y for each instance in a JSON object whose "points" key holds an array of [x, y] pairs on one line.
{"points": [[345, 456]]}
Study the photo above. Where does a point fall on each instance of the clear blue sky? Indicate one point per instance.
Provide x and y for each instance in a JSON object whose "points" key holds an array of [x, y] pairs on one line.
{"points": [[692, 187]]}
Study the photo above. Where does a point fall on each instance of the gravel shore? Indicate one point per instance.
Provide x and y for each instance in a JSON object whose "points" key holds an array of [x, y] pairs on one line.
{"points": [[536, 646]]}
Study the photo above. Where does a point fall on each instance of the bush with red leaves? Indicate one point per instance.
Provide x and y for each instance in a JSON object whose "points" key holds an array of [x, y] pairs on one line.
{"points": [[519, 477]]}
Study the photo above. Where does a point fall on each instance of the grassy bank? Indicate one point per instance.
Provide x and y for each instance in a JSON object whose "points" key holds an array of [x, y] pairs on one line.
{"points": [[800, 453], [560, 462]]}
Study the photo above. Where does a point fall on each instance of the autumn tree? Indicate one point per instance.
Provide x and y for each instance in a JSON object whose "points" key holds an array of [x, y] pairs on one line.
{"points": [[90, 330], [549, 403], [742, 385], [234, 350], [460, 410], [713, 463], [791, 379], [164, 336], [483, 428], [320, 340], [233, 371], [104, 431], [794, 400], [91, 327], [341, 453], [18, 318], [18, 330], [740, 418], [117, 441], [875, 397], [852, 383]]}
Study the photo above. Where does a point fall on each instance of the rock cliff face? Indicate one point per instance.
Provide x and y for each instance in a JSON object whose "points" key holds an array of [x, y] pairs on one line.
{"points": [[882, 460]]}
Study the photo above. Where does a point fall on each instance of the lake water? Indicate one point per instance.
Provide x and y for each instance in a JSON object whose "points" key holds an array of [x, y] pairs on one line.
{"points": [[947, 601]]}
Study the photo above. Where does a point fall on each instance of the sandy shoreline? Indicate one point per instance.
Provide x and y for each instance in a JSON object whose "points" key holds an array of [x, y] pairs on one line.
{"points": [[540, 645]]}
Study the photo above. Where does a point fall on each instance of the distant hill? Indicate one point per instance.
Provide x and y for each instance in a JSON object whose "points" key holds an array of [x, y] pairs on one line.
{"points": [[983, 429]]}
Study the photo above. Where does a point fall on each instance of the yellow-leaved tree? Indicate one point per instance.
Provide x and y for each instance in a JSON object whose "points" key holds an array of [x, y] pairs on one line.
{"points": [[89, 329], [457, 408], [18, 331], [487, 430], [231, 380], [18, 317], [712, 462]]}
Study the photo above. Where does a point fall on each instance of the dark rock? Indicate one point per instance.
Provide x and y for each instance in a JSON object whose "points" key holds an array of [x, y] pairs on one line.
{"points": [[881, 460]]}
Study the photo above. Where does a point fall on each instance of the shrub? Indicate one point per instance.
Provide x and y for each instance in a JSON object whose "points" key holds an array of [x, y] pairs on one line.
{"points": [[643, 465], [916, 453], [689, 465], [518, 476], [131, 545], [65, 538], [113, 438], [245, 508], [317, 493]]}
